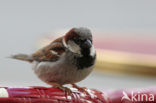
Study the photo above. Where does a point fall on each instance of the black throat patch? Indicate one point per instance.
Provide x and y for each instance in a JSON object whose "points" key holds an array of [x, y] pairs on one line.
{"points": [[86, 60]]}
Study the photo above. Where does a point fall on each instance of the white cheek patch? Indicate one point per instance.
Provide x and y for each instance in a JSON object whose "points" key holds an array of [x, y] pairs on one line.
{"points": [[92, 51], [74, 47]]}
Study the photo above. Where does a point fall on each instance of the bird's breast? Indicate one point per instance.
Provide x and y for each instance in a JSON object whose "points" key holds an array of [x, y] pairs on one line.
{"points": [[60, 72]]}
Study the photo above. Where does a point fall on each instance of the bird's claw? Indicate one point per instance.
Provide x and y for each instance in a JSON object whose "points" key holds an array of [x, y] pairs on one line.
{"points": [[65, 89], [81, 89]]}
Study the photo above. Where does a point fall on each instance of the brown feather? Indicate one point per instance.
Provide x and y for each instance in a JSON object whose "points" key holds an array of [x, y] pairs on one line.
{"points": [[70, 35], [46, 54], [23, 57]]}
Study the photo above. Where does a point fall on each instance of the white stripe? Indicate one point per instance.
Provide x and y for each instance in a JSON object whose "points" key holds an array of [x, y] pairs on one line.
{"points": [[64, 43], [92, 51], [54, 52]]}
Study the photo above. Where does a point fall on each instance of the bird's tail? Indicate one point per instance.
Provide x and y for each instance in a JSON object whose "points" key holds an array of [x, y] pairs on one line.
{"points": [[23, 57]]}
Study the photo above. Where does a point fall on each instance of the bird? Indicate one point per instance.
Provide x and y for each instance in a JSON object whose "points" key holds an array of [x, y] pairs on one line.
{"points": [[66, 60]]}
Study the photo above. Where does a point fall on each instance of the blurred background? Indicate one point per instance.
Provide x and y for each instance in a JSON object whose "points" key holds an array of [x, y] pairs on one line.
{"points": [[124, 34]]}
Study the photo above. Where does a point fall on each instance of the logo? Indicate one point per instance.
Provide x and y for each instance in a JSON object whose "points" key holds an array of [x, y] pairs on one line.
{"points": [[137, 97]]}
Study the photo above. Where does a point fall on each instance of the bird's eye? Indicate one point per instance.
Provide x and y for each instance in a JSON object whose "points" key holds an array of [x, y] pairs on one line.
{"points": [[77, 41]]}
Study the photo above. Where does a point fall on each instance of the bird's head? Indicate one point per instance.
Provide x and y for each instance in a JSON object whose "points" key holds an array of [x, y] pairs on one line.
{"points": [[79, 41]]}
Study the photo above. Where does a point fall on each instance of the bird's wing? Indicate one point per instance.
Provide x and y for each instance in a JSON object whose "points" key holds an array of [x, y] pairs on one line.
{"points": [[51, 53]]}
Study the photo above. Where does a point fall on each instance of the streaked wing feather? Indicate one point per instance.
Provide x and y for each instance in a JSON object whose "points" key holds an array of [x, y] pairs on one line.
{"points": [[52, 52]]}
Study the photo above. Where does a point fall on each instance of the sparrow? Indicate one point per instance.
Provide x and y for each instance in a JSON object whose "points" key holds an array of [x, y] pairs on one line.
{"points": [[67, 60]]}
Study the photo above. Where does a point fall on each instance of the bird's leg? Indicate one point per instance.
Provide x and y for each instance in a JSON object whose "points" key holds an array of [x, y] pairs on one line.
{"points": [[65, 89], [81, 89]]}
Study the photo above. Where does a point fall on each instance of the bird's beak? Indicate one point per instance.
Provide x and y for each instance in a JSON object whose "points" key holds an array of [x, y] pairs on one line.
{"points": [[87, 44]]}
